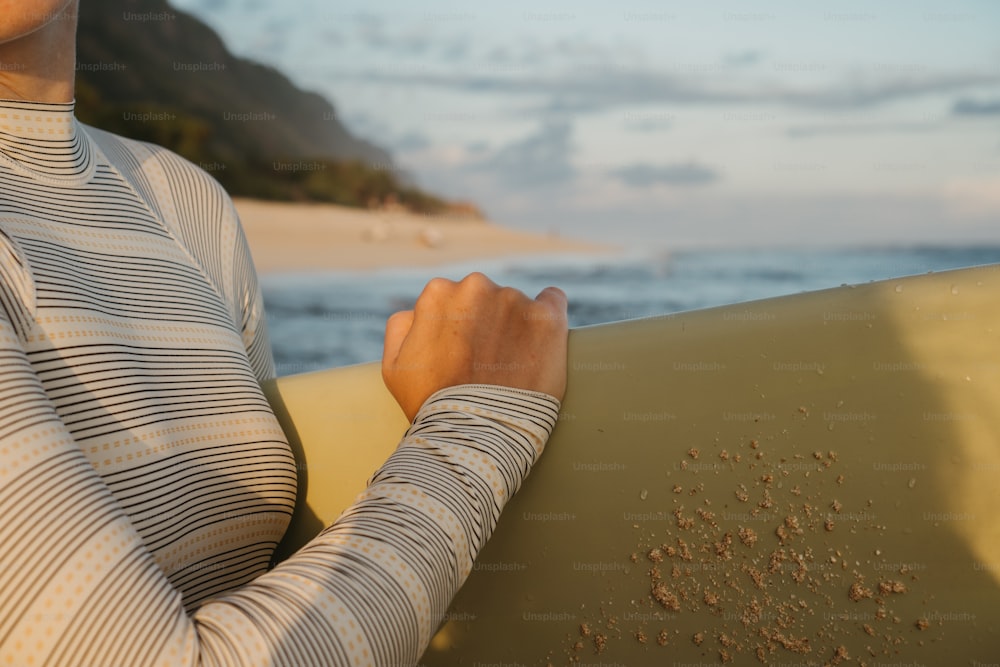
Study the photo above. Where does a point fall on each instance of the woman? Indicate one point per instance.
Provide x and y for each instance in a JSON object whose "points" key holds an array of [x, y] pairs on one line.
{"points": [[144, 481]]}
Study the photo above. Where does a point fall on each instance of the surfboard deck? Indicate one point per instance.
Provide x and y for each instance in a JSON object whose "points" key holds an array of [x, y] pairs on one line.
{"points": [[807, 479]]}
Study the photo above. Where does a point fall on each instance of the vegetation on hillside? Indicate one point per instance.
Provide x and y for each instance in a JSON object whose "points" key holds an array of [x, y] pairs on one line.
{"points": [[160, 75]]}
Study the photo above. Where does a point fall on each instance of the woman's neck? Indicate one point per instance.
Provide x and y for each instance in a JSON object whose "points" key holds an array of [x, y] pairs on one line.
{"points": [[41, 66]]}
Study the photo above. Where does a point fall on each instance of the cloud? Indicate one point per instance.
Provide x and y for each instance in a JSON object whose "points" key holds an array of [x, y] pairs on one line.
{"points": [[499, 54], [421, 37], [274, 37], [455, 50], [743, 58], [854, 128], [648, 121], [603, 86], [978, 195], [477, 147], [373, 31], [539, 159], [647, 221], [578, 49], [411, 141], [970, 107], [642, 175], [213, 5]]}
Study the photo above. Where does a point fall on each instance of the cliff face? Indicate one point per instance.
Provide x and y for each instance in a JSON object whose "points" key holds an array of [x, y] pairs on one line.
{"points": [[152, 72]]}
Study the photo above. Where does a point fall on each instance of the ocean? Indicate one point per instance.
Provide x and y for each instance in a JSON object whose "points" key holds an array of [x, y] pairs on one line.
{"points": [[319, 321]]}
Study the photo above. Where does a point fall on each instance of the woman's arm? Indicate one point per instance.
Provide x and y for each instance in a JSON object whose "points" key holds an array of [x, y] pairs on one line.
{"points": [[80, 587]]}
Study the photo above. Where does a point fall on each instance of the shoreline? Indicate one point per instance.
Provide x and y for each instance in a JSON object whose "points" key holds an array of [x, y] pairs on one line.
{"points": [[295, 237]]}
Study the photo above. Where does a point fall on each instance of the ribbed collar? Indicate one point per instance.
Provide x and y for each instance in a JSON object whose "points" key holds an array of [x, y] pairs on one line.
{"points": [[45, 140]]}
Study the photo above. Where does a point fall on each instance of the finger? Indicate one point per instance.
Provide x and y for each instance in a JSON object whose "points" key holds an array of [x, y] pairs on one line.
{"points": [[554, 297], [396, 329], [434, 286], [480, 280]]}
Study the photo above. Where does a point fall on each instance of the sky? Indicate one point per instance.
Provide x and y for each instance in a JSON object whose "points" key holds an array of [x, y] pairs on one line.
{"points": [[666, 124]]}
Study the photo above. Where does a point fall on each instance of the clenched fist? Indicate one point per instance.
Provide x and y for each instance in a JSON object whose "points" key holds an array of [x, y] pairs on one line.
{"points": [[475, 332]]}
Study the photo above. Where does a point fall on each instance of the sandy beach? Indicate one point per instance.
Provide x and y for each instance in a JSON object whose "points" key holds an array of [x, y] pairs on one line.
{"points": [[321, 237]]}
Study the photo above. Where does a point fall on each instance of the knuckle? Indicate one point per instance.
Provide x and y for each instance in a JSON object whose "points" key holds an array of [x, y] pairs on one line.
{"points": [[398, 319], [542, 316], [435, 291], [555, 291], [436, 285], [510, 295], [476, 277], [478, 283]]}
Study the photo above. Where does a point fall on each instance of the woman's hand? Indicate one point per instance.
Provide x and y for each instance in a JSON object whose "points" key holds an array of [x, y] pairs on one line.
{"points": [[475, 332]]}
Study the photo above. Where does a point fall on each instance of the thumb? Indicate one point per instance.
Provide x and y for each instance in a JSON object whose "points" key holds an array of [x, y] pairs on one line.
{"points": [[555, 297], [396, 329]]}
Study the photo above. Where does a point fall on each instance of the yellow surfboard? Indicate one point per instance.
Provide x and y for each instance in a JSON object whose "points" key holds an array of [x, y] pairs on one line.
{"points": [[809, 479]]}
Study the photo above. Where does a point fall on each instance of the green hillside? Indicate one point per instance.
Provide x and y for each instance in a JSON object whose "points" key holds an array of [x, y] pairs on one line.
{"points": [[149, 71]]}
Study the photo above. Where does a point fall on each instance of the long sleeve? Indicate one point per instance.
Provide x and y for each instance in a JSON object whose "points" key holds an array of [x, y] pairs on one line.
{"points": [[80, 587], [144, 480], [384, 574]]}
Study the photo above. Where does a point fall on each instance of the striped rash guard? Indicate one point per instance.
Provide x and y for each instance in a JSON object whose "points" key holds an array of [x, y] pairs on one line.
{"points": [[144, 481]]}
